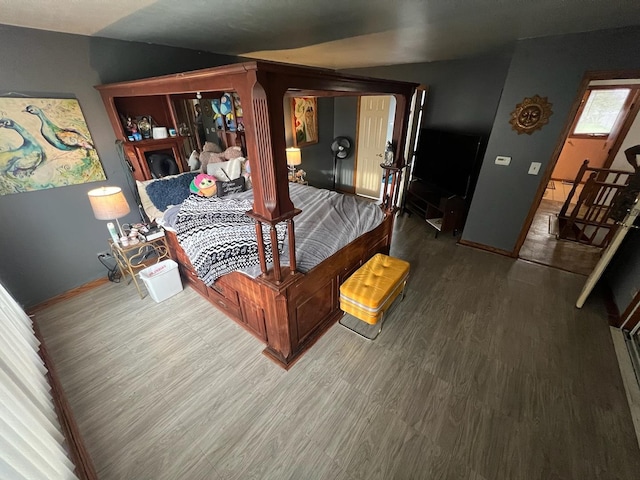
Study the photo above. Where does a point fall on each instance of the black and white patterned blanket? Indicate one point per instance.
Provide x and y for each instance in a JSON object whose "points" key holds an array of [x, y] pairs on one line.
{"points": [[218, 236], [328, 222]]}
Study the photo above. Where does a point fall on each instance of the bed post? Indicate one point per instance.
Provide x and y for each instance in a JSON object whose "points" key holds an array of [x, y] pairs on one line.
{"points": [[391, 189], [271, 204]]}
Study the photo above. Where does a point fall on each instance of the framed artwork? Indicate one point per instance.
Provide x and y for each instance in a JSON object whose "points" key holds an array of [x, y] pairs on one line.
{"points": [[45, 143], [304, 114]]}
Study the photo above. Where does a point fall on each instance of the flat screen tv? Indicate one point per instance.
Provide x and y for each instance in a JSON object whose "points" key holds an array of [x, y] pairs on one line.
{"points": [[447, 160]]}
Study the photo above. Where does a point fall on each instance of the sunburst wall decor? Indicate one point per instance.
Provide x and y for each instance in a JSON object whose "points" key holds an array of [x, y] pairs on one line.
{"points": [[531, 114]]}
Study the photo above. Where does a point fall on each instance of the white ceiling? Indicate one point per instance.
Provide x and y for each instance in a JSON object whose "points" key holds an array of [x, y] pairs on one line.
{"points": [[326, 33]]}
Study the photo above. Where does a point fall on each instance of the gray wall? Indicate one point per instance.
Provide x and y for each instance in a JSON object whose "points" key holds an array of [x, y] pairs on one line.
{"points": [[463, 94], [317, 160], [480, 94], [550, 67], [345, 124], [49, 238]]}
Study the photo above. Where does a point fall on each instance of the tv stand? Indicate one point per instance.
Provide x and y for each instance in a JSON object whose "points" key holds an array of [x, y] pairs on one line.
{"points": [[441, 210]]}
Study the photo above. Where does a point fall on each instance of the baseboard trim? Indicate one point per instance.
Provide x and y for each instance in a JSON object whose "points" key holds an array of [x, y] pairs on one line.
{"points": [[67, 295], [85, 470], [487, 248]]}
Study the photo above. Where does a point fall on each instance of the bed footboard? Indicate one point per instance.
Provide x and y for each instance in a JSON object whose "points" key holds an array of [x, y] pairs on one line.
{"points": [[290, 316]]}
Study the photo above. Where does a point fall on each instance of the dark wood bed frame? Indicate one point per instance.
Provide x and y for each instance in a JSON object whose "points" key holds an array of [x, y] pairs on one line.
{"points": [[286, 309]]}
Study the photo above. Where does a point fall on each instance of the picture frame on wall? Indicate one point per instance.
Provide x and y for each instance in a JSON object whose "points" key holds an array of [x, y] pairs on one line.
{"points": [[304, 115], [45, 143]]}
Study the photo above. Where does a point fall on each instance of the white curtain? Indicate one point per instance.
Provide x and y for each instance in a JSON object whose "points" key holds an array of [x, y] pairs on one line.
{"points": [[31, 444]]}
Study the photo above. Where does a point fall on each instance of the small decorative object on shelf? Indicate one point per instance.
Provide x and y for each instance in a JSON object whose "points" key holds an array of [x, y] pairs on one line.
{"points": [[298, 177], [133, 236], [238, 111], [388, 155], [183, 130], [159, 132], [130, 126], [217, 116], [153, 233], [144, 125], [112, 230], [227, 109]]}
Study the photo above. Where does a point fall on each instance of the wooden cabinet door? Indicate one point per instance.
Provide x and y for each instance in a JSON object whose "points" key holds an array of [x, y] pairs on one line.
{"points": [[254, 318]]}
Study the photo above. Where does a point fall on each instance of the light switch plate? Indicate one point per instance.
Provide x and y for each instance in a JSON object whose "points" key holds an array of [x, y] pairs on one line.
{"points": [[502, 160], [534, 168]]}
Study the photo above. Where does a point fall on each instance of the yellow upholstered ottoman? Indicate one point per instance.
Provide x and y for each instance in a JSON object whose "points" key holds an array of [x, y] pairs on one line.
{"points": [[370, 291]]}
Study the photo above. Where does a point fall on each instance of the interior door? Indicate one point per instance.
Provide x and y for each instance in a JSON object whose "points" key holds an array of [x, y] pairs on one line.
{"points": [[416, 121], [373, 123], [608, 253]]}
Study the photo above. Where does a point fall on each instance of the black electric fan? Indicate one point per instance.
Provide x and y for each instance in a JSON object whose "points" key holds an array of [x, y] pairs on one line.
{"points": [[341, 149]]}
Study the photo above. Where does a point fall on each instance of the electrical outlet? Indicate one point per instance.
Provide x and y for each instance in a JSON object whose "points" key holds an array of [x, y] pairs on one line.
{"points": [[502, 160], [534, 168]]}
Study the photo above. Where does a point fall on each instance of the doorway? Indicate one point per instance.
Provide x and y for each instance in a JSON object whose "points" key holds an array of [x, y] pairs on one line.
{"points": [[605, 123], [376, 116]]}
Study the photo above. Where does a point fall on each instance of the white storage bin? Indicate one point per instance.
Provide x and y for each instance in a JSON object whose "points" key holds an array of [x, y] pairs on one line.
{"points": [[162, 280]]}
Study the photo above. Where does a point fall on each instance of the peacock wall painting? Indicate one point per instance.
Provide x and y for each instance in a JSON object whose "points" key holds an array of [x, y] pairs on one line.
{"points": [[45, 143]]}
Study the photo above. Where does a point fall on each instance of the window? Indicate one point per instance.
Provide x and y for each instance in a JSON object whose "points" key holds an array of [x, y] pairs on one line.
{"points": [[600, 111]]}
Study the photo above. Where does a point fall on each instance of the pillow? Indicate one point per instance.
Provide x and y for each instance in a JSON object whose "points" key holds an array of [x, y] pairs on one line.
{"points": [[232, 169], [233, 186], [149, 208], [170, 190]]}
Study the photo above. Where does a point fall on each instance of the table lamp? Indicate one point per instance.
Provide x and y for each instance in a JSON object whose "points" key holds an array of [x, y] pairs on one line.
{"points": [[109, 203], [293, 158]]}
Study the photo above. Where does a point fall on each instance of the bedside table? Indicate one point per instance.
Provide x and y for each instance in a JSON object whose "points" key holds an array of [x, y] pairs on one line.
{"points": [[132, 258]]}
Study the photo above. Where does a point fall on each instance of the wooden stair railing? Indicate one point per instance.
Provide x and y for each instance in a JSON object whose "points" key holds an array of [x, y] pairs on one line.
{"points": [[588, 220]]}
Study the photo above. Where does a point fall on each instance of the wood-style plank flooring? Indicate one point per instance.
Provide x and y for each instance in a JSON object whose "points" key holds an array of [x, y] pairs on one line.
{"points": [[543, 247], [485, 371]]}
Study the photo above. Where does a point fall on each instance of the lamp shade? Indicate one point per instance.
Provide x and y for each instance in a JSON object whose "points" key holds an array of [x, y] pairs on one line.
{"points": [[108, 203], [293, 156]]}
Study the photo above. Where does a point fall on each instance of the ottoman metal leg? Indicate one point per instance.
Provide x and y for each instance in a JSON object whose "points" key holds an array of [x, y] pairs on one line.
{"points": [[382, 318], [381, 322]]}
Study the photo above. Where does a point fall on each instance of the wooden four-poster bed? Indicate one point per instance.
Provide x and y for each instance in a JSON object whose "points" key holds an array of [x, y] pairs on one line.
{"points": [[285, 308]]}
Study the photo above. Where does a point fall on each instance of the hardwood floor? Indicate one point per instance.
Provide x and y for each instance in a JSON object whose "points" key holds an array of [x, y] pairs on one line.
{"points": [[485, 371], [543, 247]]}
